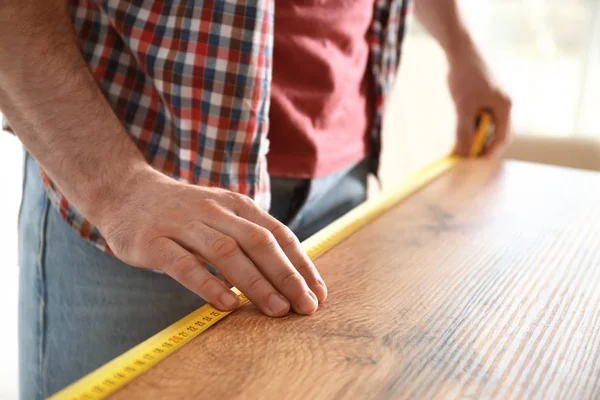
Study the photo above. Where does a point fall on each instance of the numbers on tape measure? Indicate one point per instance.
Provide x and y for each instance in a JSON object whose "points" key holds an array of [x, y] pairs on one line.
{"points": [[197, 322], [175, 339], [158, 351], [107, 384]]}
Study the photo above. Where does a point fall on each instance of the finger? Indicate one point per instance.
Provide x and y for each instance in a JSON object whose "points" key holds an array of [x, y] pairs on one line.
{"points": [[465, 133], [166, 255], [223, 252], [291, 247], [264, 250]]}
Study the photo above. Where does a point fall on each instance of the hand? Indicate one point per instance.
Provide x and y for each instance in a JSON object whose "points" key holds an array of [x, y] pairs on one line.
{"points": [[474, 89], [159, 223]]}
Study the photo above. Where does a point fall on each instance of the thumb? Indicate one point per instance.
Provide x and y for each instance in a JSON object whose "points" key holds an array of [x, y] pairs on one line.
{"points": [[465, 133]]}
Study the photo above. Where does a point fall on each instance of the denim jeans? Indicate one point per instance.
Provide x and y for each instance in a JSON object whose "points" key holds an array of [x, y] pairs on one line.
{"points": [[80, 307]]}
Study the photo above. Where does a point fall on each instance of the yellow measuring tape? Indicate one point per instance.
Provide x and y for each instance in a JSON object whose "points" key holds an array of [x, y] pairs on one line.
{"points": [[123, 369]]}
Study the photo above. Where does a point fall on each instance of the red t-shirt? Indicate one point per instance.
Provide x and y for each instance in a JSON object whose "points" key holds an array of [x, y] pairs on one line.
{"points": [[320, 113]]}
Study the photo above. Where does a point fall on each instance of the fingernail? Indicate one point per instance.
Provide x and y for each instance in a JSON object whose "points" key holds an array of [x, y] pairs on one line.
{"points": [[322, 284], [278, 305], [308, 303], [229, 300]]}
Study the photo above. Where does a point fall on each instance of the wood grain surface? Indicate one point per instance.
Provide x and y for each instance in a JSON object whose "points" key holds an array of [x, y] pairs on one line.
{"points": [[486, 284]]}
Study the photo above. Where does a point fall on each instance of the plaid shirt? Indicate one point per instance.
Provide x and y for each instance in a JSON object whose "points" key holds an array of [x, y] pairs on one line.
{"points": [[190, 80]]}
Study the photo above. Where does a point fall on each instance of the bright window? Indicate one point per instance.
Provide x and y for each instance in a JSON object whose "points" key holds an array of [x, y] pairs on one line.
{"points": [[547, 52]]}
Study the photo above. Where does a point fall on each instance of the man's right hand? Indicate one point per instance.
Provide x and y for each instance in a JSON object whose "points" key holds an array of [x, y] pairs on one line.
{"points": [[156, 222], [148, 219]]}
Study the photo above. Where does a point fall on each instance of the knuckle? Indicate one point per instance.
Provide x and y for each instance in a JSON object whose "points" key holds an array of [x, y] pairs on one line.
{"points": [[120, 242], [171, 262], [119, 237], [186, 263], [260, 238], [200, 283], [133, 247], [284, 235], [148, 237], [306, 267], [243, 200], [187, 270], [209, 206], [288, 278], [190, 225], [224, 247], [255, 283], [505, 100]]}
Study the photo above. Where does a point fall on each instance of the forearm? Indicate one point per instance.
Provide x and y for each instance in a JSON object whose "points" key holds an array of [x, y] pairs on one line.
{"points": [[54, 105], [443, 20]]}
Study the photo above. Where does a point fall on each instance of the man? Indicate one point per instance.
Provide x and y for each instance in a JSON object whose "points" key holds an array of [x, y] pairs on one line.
{"points": [[146, 128]]}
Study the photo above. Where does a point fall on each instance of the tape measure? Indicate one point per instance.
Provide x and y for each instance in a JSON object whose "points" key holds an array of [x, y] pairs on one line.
{"points": [[484, 134], [123, 369]]}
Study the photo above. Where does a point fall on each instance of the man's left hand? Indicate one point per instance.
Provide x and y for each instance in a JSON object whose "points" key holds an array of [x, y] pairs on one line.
{"points": [[474, 89]]}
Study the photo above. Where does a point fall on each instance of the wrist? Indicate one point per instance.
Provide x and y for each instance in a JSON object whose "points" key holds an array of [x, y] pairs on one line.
{"points": [[461, 48], [102, 197]]}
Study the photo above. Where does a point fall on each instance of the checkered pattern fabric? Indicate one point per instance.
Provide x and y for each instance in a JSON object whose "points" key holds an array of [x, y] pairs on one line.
{"points": [[385, 40], [190, 80]]}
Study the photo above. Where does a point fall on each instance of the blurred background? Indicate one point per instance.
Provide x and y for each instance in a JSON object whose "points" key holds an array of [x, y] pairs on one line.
{"points": [[547, 55], [545, 52]]}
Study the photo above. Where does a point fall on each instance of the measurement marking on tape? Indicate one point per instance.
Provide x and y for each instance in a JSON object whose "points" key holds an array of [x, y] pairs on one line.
{"points": [[123, 369], [117, 373]]}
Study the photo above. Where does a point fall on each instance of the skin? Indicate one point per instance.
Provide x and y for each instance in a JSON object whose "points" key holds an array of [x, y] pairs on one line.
{"points": [[52, 102], [55, 107], [472, 85]]}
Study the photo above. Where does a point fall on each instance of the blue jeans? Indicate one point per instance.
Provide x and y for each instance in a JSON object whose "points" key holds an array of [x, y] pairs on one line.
{"points": [[80, 307]]}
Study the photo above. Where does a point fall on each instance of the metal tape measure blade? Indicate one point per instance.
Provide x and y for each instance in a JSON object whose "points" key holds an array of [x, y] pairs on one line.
{"points": [[123, 369]]}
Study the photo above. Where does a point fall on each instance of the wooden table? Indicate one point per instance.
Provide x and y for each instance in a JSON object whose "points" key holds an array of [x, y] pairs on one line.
{"points": [[484, 284]]}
